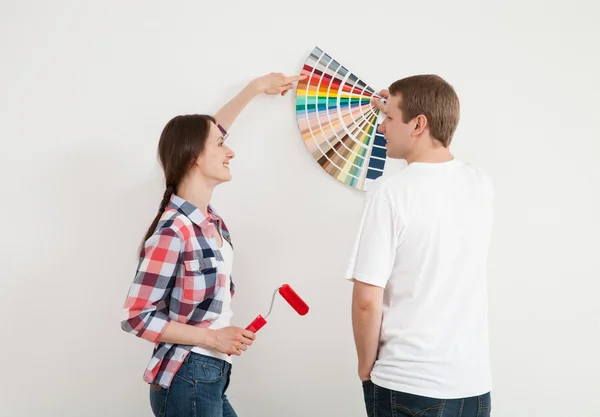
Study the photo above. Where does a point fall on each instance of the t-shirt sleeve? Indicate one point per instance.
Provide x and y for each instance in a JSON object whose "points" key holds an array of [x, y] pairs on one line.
{"points": [[374, 251]]}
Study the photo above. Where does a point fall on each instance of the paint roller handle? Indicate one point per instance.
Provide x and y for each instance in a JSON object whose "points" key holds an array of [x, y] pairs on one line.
{"points": [[256, 324]]}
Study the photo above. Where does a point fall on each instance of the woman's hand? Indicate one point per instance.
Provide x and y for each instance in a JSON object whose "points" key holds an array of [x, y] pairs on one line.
{"points": [[233, 340], [275, 83]]}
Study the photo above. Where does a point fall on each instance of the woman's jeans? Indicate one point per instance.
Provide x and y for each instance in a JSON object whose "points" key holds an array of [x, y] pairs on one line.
{"points": [[197, 390]]}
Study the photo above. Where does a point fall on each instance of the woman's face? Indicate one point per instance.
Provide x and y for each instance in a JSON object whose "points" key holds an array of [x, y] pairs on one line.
{"points": [[213, 162]]}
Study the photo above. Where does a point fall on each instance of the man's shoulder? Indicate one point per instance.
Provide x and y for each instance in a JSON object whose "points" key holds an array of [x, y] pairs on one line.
{"points": [[481, 175], [415, 178], [477, 169], [391, 183]]}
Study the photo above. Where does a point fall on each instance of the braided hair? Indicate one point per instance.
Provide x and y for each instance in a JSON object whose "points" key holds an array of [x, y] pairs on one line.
{"points": [[181, 142]]}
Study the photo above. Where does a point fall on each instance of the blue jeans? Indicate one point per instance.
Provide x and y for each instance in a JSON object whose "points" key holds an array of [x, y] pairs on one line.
{"points": [[197, 390], [382, 402]]}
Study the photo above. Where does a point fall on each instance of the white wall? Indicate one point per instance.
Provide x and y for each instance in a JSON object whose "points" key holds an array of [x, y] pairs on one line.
{"points": [[85, 89]]}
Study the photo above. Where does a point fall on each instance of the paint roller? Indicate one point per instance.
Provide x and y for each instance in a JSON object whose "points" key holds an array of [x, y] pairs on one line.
{"points": [[288, 295]]}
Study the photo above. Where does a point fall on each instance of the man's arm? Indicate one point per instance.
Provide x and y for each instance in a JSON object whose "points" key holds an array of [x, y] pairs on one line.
{"points": [[367, 301], [274, 83], [371, 264]]}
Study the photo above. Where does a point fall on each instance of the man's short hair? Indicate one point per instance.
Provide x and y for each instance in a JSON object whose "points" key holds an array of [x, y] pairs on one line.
{"points": [[431, 96]]}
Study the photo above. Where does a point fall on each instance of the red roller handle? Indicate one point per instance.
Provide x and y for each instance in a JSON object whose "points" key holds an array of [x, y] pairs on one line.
{"points": [[256, 324]]}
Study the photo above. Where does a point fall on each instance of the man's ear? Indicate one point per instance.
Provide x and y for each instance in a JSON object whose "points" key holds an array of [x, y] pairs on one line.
{"points": [[421, 124]]}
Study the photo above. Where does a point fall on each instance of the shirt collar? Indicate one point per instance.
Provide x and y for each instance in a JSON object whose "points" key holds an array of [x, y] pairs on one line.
{"points": [[196, 215]]}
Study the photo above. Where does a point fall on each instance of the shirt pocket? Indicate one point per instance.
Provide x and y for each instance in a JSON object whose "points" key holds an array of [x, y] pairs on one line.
{"points": [[200, 279]]}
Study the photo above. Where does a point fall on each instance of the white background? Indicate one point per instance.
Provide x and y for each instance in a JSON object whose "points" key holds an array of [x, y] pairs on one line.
{"points": [[85, 89]]}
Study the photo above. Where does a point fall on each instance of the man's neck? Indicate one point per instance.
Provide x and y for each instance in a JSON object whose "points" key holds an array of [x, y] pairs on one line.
{"points": [[432, 154]]}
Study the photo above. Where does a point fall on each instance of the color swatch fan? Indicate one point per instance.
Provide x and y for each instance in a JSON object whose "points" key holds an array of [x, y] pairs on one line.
{"points": [[338, 122]]}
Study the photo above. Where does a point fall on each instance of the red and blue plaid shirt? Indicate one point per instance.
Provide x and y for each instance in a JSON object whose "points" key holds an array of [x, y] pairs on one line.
{"points": [[179, 277]]}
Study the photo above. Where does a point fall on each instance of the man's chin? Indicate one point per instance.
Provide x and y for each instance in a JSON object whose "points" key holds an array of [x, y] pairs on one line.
{"points": [[393, 155]]}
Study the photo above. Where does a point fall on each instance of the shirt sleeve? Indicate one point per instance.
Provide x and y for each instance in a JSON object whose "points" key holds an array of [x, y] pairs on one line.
{"points": [[223, 131], [374, 251], [146, 312]]}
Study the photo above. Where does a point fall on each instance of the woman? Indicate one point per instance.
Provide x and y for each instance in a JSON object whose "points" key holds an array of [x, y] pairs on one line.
{"points": [[180, 297]]}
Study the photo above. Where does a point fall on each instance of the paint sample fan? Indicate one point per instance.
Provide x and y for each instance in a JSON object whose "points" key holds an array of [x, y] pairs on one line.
{"points": [[338, 122]]}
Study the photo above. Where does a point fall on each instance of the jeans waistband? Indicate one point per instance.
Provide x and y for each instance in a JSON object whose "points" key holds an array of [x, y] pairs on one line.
{"points": [[199, 357]]}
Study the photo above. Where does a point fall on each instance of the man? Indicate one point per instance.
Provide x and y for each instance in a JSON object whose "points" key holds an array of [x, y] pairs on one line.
{"points": [[419, 304]]}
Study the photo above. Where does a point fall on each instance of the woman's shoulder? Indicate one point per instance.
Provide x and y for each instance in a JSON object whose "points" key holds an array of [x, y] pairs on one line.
{"points": [[172, 222]]}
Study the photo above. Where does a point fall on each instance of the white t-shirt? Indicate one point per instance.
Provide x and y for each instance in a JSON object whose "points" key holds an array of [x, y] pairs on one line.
{"points": [[224, 318], [424, 237]]}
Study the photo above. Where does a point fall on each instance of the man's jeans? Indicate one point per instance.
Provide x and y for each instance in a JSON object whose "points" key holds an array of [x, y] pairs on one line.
{"points": [[382, 402]]}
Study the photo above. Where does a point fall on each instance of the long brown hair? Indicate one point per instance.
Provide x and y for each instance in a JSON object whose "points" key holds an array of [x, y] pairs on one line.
{"points": [[181, 142]]}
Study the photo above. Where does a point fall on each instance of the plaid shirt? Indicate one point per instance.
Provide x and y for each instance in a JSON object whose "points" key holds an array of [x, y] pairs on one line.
{"points": [[179, 277]]}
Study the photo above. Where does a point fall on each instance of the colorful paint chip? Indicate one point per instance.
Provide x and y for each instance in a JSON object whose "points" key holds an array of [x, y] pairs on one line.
{"points": [[337, 122]]}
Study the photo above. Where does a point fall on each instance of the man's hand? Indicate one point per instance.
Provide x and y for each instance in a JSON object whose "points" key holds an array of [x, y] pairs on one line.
{"points": [[377, 103]]}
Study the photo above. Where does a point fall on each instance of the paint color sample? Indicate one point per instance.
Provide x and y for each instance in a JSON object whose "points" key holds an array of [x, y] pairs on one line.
{"points": [[338, 123]]}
